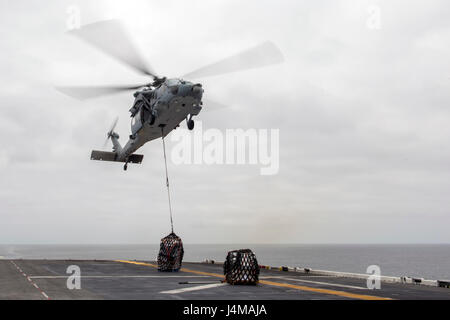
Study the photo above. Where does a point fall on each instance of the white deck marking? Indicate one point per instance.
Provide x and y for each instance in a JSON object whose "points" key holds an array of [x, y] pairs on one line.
{"points": [[30, 281], [208, 286], [323, 283], [95, 277]]}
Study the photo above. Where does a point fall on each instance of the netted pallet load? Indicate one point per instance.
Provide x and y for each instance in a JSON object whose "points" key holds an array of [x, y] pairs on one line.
{"points": [[241, 267], [171, 253]]}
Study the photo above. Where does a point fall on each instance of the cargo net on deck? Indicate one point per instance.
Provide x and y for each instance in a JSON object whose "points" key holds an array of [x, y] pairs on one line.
{"points": [[170, 254], [241, 267]]}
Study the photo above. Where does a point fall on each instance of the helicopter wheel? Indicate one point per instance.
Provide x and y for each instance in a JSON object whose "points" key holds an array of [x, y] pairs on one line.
{"points": [[191, 125]]}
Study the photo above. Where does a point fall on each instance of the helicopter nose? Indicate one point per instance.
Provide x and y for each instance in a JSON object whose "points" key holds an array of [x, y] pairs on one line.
{"points": [[197, 89]]}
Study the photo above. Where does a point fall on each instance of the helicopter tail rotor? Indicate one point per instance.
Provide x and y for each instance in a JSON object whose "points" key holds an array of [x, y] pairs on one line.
{"points": [[111, 134]]}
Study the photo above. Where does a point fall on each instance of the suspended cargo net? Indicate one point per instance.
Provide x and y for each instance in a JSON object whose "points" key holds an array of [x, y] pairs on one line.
{"points": [[171, 253], [241, 267]]}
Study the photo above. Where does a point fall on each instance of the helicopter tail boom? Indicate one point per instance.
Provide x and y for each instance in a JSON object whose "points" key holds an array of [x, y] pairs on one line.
{"points": [[113, 157]]}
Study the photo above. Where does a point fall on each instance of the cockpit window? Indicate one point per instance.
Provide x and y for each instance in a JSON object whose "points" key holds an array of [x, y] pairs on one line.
{"points": [[172, 82]]}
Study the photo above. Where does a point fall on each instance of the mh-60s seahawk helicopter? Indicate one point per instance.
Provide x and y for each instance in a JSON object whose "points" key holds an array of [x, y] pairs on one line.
{"points": [[160, 106]]}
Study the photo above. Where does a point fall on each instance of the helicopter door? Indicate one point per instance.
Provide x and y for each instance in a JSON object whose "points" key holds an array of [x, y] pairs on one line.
{"points": [[137, 121]]}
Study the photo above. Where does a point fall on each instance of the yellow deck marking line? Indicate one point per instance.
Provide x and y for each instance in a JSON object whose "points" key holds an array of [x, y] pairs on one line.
{"points": [[204, 273], [138, 263], [326, 291], [183, 269], [277, 284], [117, 277], [322, 283]]}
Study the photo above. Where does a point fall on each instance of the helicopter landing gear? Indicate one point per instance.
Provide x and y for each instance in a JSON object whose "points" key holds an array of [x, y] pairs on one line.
{"points": [[190, 124]]}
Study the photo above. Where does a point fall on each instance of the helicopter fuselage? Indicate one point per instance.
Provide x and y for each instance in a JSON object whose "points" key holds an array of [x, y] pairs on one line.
{"points": [[159, 110], [160, 107]]}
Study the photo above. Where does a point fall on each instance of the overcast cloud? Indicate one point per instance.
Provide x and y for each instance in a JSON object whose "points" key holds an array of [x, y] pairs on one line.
{"points": [[363, 116]]}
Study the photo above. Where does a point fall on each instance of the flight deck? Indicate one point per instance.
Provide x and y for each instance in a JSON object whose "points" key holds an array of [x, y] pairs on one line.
{"points": [[140, 280]]}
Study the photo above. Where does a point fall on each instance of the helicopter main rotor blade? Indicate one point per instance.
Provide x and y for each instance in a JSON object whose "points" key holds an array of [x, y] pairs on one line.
{"points": [[112, 38], [265, 54], [211, 105], [84, 93]]}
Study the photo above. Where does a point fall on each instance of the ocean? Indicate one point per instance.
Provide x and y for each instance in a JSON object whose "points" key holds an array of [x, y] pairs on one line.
{"points": [[425, 261]]}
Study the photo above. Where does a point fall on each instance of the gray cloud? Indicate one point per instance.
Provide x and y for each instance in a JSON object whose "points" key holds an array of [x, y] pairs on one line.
{"points": [[363, 118]]}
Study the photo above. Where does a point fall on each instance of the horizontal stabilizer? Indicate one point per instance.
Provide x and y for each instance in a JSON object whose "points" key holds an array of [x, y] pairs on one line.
{"points": [[112, 156]]}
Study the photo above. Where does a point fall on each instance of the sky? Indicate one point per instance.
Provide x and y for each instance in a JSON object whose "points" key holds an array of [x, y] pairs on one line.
{"points": [[361, 103]]}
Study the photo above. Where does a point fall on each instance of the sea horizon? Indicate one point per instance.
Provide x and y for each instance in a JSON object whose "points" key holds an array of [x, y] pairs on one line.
{"points": [[426, 260]]}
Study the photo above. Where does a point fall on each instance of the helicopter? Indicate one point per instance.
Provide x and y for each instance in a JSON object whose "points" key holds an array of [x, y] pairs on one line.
{"points": [[162, 105]]}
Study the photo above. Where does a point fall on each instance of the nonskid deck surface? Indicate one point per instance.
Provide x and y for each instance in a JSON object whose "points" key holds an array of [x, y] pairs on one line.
{"points": [[47, 279]]}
